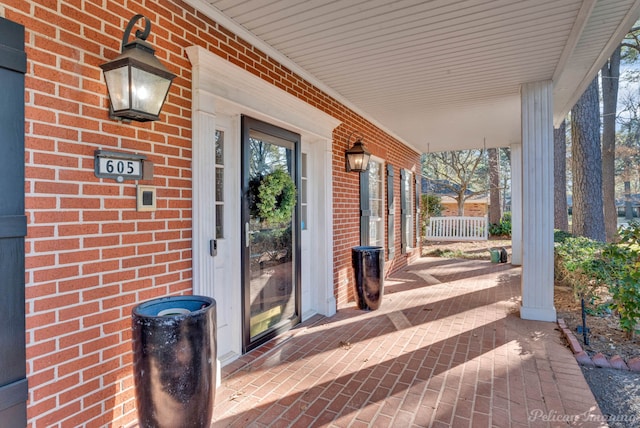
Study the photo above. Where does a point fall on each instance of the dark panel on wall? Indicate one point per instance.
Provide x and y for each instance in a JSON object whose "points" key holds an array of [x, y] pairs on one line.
{"points": [[13, 383]]}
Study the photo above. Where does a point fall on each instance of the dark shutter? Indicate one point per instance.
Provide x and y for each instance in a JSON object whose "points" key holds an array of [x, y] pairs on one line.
{"points": [[403, 211], [418, 192], [391, 210], [13, 226], [365, 209]]}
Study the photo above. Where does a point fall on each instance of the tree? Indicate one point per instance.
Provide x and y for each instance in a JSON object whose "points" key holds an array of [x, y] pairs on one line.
{"points": [[430, 206], [610, 73], [630, 48], [459, 172], [560, 214], [627, 150], [494, 187], [505, 173], [586, 163]]}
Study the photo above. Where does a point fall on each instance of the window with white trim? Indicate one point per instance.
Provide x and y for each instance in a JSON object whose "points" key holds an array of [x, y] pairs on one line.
{"points": [[219, 189], [376, 203], [407, 209], [372, 204], [303, 193]]}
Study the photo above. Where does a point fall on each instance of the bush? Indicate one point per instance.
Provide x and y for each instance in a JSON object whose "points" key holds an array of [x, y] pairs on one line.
{"points": [[578, 264], [585, 264], [503, 228], [559, 236], [430, 206], [623, 263], [624, 285]]}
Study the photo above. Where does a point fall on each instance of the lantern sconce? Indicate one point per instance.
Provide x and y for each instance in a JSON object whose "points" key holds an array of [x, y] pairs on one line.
{"points": [[137, 82], [357, 157]]}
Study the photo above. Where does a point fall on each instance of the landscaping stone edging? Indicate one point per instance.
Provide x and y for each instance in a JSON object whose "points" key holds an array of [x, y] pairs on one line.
{"points": [[599, 359]]}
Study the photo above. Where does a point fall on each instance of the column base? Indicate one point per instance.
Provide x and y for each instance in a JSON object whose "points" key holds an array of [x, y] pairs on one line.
{"points": [[538, 314], [330, 307]]}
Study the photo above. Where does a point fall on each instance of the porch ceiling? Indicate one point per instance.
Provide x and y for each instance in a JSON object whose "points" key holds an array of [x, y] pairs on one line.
{"points": [[437, 74]]}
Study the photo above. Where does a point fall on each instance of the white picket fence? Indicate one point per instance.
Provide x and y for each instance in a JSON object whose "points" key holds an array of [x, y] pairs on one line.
{"points": [[458, 229]]}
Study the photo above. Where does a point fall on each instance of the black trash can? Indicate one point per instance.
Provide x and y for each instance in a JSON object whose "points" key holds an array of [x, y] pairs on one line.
{"points": [[174, 351], [368, 266]]}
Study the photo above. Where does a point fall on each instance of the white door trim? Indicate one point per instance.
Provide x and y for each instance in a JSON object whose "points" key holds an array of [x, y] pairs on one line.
{"points": [[222, 89]]}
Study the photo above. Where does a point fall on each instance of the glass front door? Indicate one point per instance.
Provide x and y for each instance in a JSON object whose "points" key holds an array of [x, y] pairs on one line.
{"points": [[271, 231]]}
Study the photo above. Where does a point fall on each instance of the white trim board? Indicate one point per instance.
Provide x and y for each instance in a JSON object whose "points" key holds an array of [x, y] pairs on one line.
{"points": [[222, 92]]}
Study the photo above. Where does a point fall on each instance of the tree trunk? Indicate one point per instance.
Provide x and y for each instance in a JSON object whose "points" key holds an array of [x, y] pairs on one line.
{"points": [[494, 187], [610, 75], [588, 215], [461, 206], [560, 214]]}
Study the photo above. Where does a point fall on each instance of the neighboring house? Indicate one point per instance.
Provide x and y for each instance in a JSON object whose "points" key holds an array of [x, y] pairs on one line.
{"points": [[76, 253], [621, 205], [474, 205]]}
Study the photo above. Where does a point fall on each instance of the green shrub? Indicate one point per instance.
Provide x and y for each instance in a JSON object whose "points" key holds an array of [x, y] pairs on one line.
{"points": [[585, 264], [559, 236], [503, 228], [623, 268], [579, 265], [430, 206]]}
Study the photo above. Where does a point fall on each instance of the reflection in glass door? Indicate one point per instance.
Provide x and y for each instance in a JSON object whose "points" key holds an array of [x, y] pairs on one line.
{"points": [[271, 250]]}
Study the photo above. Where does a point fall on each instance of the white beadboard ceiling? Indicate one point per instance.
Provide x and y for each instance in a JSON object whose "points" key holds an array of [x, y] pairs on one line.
{"points": [[439, 74]]}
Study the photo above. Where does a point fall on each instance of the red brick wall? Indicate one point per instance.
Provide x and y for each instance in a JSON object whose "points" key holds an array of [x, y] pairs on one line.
{"points": [[90, 256], [346, 202], [471, 209]]}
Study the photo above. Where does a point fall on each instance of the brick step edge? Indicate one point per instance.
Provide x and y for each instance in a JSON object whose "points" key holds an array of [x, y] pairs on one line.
{"points": [[599, 359]]}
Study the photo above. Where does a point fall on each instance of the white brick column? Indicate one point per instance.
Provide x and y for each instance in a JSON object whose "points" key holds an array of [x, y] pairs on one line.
{"points": [[537, 201]]}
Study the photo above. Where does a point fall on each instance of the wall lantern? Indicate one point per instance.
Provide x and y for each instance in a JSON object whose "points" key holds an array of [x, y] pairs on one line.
{"points": [[357, 157], [137, 81]]}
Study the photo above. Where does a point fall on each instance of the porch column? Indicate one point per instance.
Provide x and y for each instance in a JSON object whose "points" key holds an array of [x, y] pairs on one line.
{"points": [[537, 201], [516, 204]]}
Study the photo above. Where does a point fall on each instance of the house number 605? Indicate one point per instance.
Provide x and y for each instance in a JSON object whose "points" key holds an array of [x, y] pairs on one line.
{"points": [[118, 166]]}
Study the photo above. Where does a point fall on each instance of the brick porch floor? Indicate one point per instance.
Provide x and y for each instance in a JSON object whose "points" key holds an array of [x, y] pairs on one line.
{"points": [[446, 349]]}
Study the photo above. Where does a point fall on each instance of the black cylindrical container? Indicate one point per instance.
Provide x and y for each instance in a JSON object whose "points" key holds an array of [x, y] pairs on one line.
{"points": [[174, 351], [368, 265]]}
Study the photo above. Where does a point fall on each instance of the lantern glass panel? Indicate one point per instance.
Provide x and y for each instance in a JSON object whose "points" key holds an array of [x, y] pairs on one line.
{"points": [[148, 91], [117, 81], [355, 161]]}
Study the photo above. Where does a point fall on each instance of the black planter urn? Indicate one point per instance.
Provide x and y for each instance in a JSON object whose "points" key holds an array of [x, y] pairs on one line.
{"points": [[368, 269], [174, 351]]}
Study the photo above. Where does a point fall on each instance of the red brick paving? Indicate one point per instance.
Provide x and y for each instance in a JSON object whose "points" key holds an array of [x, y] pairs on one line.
{"points": [[447, 354]]}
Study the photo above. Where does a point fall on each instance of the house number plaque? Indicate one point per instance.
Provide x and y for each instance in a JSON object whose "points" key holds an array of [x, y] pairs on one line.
{"points": [[119, 166]]}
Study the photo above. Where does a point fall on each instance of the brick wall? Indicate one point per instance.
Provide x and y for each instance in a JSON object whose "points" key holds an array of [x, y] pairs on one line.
{"points": [[471, 209], [90, 256]]}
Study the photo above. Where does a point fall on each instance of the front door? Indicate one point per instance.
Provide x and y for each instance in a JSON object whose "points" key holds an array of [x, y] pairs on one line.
{"points": [[13, 226], [271, 231]]}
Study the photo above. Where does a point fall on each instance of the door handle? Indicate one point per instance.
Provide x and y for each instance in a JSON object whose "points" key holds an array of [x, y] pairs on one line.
{"points": [[246, 235], [213, 247]]}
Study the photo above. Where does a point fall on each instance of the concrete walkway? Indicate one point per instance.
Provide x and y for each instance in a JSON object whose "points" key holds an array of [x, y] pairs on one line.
{"points": [[446, 349]]}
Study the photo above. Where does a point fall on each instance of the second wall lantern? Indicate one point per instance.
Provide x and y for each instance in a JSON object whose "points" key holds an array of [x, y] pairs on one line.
{"points": [[137, 82], [357, 157]]}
